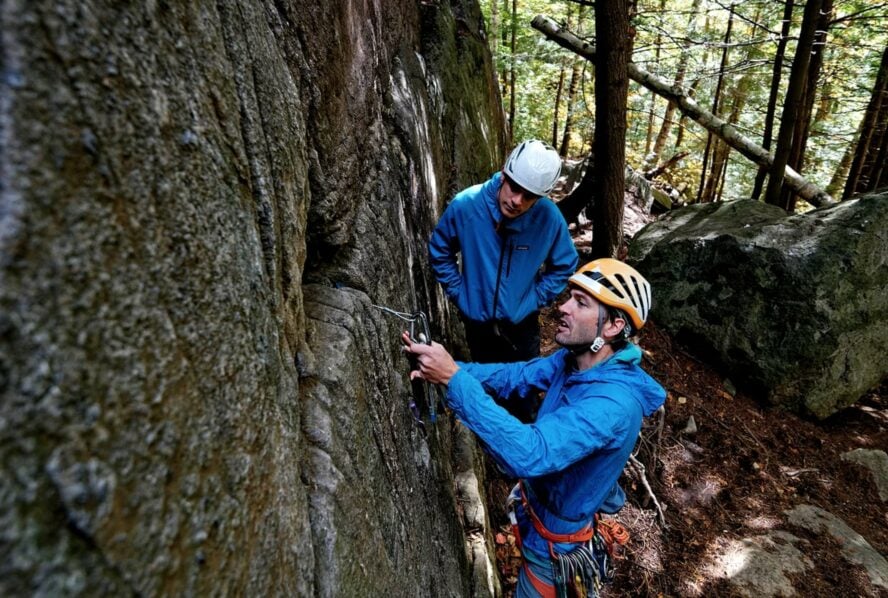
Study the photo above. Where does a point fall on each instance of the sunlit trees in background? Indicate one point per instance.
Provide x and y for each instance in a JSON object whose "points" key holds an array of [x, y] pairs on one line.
{"points": [[688, 42]]}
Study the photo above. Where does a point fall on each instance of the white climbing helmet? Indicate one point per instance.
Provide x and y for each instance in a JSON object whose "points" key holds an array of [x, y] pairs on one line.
{"points": [[535, 166]]}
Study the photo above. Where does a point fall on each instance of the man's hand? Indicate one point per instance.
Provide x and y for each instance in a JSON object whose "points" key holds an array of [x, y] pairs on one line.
{"points": [[435, 363]]}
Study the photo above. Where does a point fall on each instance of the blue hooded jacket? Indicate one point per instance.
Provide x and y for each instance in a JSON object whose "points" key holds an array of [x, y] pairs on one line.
{"points": [[501, 257], [572, 455]]}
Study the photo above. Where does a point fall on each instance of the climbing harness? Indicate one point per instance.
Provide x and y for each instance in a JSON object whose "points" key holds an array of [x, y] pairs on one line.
{"points": [[583, 571], [419, 332]]}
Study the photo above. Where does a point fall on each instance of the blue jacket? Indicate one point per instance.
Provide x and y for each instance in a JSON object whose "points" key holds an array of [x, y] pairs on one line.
{"points": [[501, 277], [572, 455]]}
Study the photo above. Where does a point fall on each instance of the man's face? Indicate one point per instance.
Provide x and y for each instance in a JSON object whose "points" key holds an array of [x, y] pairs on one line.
{"points": [[579, 319], [513, 199]]}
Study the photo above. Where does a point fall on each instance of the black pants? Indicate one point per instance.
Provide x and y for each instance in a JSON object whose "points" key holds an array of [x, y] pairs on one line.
{"points": [[504, 342]]}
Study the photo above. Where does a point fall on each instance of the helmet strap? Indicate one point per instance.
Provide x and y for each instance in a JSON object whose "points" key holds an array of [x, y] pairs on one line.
{"points": [[599, 342]]}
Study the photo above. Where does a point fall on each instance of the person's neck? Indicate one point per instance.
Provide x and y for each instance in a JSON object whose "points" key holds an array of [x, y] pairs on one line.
{"points": [[587, 359]]}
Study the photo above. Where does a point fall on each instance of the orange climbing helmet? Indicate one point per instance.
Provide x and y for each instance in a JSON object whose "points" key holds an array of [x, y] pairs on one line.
{"points": [[616, 285]]}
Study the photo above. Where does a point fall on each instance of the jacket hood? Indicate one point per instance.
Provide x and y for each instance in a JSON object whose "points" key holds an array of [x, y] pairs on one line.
{"points": [[624, 368]]}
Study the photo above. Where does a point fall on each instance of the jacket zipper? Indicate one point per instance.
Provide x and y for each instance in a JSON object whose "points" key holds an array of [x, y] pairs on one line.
{"points": [[509, 263], [499, 272]]}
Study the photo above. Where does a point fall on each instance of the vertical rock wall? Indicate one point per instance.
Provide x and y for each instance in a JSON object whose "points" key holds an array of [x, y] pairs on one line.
{"points": [[199, 203]]}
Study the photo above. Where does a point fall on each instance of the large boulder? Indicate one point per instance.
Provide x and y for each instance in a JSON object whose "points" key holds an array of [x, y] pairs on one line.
{"points": [[793, 307], [181, 413]]}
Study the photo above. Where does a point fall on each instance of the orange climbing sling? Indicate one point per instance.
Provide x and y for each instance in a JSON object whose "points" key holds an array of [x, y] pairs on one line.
{"points": [[581, 572]]}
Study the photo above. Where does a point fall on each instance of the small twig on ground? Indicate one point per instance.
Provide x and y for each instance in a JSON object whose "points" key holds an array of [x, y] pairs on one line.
{"points": [[639, 469]]}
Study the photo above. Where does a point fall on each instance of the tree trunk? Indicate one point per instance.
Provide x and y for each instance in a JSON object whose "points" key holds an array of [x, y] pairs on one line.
{"points": [[576, 74], [859, 180], [504, 43], [494, 33], [611, 92], [649, 135], [808, 191], [557, 105], [775, 92], [715, 101], [666, 126], [841, 174], [512, 73], [791, 105], [803, 122]]}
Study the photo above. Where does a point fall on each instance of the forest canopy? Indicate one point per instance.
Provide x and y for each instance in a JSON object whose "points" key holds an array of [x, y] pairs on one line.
{"points": [[735, 59]]}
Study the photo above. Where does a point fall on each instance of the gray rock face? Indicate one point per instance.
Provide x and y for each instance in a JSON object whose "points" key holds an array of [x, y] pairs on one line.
{"points": [[794, 307], [180, 412]]}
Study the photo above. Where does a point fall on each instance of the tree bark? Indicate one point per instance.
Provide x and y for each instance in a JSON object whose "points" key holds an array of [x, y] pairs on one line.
{"points": [[775, 92], [791, 106], [575, 76], [688, 106], [512, 73], [494, 34], [669, 114], [649, 134], [867, 144], [557, 105], [715, 101], [609, 146], [803, 121]]}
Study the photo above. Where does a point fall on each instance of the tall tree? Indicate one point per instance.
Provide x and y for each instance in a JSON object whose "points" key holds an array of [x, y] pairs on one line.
{"points": [[562, 74], [802, 127], [653, 157], [576, 72], [611, 91], [717, 97], [808, 191], [791, 107], [868, 167], [512, 71], [776, 75]]}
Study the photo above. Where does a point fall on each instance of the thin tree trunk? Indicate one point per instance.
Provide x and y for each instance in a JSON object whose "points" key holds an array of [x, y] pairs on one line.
{"points": [[876, 111], [803, 121], [611, 92], [504, 43], [575, 76], [512, 73], [666, 126], [775, 92], [791, 106], [557, 105], [715, 101], [841, 173], [649, 135], [749, 149], [494, 34], [683, 119]]}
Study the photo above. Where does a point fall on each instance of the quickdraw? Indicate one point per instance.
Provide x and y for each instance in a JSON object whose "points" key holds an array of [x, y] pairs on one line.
{"points": [[419, 332]]}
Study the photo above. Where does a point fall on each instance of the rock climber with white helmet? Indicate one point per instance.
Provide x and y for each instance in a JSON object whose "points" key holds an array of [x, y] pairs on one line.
{"points": [[516, 254], [568, 460]]}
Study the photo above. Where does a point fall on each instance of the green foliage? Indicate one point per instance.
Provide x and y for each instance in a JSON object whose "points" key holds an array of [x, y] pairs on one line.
{"points": [[855, 42]]}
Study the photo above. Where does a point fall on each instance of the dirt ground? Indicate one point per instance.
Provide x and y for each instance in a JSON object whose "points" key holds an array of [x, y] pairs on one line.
{"points": [[734, 477]]}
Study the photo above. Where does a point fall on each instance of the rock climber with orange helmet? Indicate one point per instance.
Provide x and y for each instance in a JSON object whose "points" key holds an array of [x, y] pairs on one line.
{"points": [[568, 460]]}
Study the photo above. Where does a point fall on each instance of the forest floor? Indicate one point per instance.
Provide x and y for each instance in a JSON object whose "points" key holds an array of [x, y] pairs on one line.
{"points": [[733, 478]]}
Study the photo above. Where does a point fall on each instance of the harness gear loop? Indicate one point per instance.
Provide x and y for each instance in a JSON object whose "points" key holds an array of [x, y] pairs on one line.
{"points": [[585, 569]]}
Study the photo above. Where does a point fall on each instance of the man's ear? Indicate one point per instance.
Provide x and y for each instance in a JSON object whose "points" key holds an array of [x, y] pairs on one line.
{"points": [[613, 328]]}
